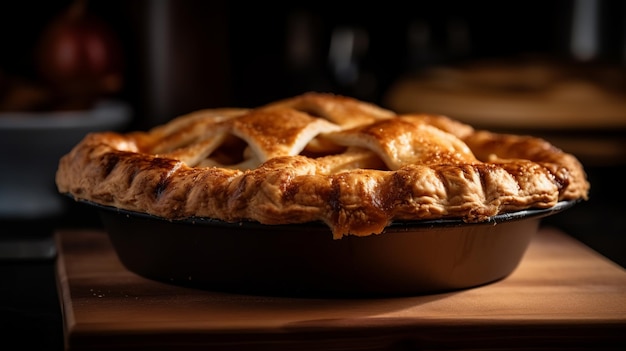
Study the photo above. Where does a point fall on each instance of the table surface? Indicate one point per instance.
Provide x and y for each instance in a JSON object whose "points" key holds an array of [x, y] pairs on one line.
{"points": [[562, 295]]}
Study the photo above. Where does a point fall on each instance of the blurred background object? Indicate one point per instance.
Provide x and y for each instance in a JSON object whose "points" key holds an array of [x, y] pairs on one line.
{"points": [[79, 58], [73, 60], [59, 85], [33, 142]]}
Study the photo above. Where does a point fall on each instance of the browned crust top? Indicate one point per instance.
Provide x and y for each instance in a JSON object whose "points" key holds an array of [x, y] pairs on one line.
{"points": [[319, 157]]}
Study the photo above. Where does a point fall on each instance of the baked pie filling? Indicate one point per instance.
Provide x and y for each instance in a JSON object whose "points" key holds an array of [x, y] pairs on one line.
{"points": [[319, 157]]}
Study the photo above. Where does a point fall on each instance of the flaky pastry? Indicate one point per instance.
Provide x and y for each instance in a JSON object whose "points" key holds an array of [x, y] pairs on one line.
{"points": [[319, 157]]}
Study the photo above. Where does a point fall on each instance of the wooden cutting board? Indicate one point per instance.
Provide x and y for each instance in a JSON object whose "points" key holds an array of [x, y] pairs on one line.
{"points": [[563, 295]]}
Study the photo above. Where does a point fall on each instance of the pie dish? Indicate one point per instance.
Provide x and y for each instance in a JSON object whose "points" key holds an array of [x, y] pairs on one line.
{"points": [[303, 260], [529, 93], [354, 166]]}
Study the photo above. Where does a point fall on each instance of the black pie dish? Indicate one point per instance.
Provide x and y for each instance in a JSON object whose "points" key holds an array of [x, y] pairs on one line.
{"points": [[408, 258]]}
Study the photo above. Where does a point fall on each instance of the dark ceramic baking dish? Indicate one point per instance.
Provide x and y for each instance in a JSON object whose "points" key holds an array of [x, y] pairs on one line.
{"points": [[408, 258]]}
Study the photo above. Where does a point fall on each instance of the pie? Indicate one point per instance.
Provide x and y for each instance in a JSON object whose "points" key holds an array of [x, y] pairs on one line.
{"points": [[319, 157]]}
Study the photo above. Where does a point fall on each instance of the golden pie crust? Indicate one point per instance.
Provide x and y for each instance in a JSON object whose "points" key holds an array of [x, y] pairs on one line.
{"points": [[319, 157]]}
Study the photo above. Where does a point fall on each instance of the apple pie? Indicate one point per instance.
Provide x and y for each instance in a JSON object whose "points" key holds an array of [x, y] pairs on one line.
{"points": [[319, 157]]}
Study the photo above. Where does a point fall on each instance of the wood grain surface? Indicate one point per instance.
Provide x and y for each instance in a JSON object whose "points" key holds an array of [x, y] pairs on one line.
{"points": [[563, 295]]}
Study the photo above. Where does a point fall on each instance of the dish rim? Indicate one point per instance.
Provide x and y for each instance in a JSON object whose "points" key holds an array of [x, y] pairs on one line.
{"points": [[394, 225], [110, 113]]}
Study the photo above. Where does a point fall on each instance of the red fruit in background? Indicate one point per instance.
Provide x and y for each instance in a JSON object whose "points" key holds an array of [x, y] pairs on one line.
{"points": [[80, 56]]}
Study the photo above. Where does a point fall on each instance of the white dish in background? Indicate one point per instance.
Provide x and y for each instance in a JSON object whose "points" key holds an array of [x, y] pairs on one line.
{"points": [[32, 144]]}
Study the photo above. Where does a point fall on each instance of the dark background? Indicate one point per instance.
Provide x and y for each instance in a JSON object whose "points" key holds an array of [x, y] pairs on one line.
{"points": [[236, 53]]}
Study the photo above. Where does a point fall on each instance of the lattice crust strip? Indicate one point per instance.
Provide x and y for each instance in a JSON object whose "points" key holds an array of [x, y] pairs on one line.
{"points": [[319, 157]]}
